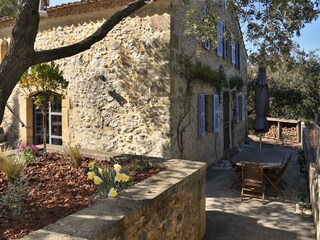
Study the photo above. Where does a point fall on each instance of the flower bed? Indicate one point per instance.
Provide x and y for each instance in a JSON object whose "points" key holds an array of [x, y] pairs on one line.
{"points": [[55, 188]]}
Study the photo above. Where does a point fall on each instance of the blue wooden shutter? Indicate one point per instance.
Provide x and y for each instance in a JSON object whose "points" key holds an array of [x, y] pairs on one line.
{"points": [[237, 46], [219, 39], [243, 108], [202, 116], [216, 113], [236, 103], [233, 50], [206, 43], [224, 42]]}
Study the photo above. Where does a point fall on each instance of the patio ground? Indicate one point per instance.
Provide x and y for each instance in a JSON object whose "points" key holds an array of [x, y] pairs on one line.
{"points": [[229, 218]]}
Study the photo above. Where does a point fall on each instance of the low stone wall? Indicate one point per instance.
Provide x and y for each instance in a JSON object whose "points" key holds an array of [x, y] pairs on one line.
{"points": [[169, 205], [314, 178]]}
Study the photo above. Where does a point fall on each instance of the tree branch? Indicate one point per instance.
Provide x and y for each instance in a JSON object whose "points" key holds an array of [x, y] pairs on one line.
{"points": [[102, 31]]}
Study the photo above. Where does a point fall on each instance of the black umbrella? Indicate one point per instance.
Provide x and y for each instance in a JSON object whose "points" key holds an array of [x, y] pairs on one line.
{"points": [[260, 124]]}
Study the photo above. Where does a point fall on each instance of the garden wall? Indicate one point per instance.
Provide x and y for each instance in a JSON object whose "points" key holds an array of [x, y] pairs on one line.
{"points": [[169, 205], [312, 155]]}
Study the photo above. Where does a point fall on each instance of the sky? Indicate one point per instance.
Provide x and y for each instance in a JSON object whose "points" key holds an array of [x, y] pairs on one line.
{"points": [[308, 41]]}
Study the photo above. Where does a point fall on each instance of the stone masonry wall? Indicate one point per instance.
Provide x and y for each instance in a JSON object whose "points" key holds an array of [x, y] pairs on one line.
{"points": [[118, 94], [169, 205], [209, 148]]}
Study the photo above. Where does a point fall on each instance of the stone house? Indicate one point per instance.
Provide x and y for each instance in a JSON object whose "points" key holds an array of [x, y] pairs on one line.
{"points": [[128, 93]]}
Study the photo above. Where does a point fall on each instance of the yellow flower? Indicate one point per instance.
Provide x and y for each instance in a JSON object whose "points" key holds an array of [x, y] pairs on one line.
{"points": [[117, 167], [100, 171], [112, 193], [90, 164], [125, 177], [118, 177], [97, 180], [90, 175]]}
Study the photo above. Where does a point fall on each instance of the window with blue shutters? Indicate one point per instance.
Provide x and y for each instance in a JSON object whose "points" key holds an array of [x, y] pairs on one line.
{"points": [[206, 43], [202, 116], [220, 39], [243, 108], [216, 113]]}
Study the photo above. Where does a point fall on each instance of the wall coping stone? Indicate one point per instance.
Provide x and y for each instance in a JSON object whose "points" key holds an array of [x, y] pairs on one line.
{"points": [[93, 222]]}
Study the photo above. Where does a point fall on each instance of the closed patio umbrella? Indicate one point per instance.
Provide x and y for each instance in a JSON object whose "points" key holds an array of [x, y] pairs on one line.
{"points": [[260, 124]]}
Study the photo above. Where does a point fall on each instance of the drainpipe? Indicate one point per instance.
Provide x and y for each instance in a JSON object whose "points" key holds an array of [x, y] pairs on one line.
{"points": [[16, 116]]}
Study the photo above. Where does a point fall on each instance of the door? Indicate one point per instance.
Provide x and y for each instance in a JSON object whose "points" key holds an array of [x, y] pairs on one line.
{"points": [[226, 121], [54, 124]]}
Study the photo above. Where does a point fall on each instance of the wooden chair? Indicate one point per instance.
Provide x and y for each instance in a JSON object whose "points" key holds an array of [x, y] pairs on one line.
{"points": [[229, 154], [252, 180], [275, 178]]}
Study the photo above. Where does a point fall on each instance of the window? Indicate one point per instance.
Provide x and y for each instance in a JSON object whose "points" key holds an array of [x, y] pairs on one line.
{"points": [[54, 124], [209, 118], [239, 104], [207, 43], [235, 52]]}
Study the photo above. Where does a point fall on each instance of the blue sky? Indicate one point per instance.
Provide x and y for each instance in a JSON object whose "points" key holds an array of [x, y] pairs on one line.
{"points": [[309, 39]]}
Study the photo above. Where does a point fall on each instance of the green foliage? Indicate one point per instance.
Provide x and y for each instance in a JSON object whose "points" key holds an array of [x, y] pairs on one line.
{"points": [[271, 25], [75, 155], [200, 25], [45, 79], [14, 199], [27, 153], [204, 73], [294, 87], [12, 166], [8, 8], [236, 82]]}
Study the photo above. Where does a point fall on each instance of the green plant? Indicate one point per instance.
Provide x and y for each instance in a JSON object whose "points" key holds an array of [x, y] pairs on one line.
{"points": [[75, 155], [12, 166], [236, 82], [27, 153], [109, 180], [14, 199]]}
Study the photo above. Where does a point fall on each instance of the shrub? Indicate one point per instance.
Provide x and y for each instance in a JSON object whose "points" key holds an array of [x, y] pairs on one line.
{"points": [[12, 166], [14, 199], [75, 155], [28, 153]]}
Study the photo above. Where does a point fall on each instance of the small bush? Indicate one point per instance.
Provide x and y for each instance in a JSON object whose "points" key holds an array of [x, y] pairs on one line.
{"points": [[14, 199], [28, 153], [12, 166], [75, 155]]}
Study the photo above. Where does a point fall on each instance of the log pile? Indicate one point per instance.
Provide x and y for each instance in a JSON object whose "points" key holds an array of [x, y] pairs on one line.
{"points": [[290, 134]]}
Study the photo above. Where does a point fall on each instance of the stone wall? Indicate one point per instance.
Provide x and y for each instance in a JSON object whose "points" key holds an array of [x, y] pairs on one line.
{"points": [[118, 94], [312, 154], [169, 205], [185, 119]]}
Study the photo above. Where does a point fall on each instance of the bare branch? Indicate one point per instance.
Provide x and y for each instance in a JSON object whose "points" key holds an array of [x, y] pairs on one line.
{"points": [[102, 31]]}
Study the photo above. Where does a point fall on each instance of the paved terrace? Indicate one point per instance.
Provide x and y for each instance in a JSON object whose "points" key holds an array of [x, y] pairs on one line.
{"points": [[229, 218]]}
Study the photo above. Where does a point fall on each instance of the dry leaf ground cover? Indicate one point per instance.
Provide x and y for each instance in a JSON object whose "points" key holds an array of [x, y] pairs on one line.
{"points": [[53, 189]]}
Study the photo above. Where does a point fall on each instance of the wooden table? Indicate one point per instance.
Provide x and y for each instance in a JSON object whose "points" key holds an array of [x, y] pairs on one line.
{"points": [[270, 158]]}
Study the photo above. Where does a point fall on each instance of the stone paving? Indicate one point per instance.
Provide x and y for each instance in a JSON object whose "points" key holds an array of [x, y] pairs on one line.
{"points": [[229, 218]]}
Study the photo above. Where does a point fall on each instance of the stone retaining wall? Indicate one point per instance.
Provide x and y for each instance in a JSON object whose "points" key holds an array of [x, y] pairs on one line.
{"points": [[314, 178], [169, 205]]}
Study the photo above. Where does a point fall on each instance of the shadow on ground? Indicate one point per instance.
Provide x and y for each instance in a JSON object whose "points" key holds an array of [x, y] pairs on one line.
{"points": [[230, 218]]}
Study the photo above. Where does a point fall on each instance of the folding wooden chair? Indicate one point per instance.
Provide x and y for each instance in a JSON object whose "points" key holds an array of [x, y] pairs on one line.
{"points": [[276, 177], [252, 180]]}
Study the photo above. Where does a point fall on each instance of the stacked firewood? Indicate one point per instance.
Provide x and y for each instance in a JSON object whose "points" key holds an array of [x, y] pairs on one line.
{"points": [[290, 134], [272, 133]]}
